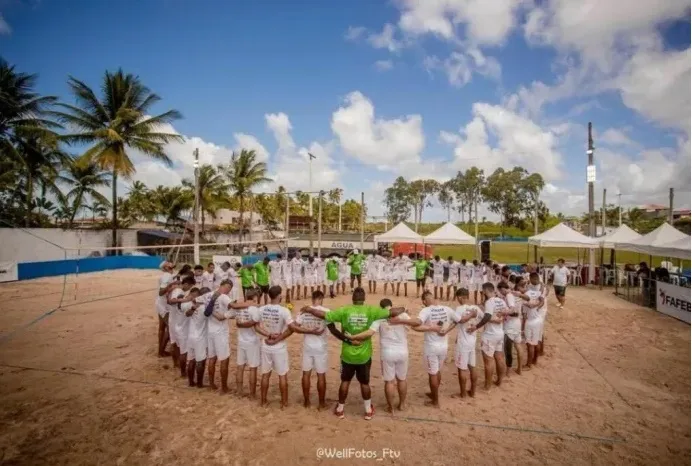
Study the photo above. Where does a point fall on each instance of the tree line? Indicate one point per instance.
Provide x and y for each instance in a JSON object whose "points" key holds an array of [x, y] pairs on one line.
{"points": [[43, 184]]}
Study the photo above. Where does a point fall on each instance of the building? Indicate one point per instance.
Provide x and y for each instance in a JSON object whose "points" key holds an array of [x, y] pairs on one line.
{"points": [[651, 211], [226, 217]]}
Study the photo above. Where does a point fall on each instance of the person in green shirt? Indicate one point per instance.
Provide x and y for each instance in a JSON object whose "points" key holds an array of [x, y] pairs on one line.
{"points": [[247, 278], [356, 357], [261, 273], [356, 260], [332, 275], [422, 266]]}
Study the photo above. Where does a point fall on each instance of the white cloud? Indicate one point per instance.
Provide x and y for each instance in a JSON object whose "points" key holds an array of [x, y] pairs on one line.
{"points": [[354, 32], [485, 22], [386, 39], [519, 141], [5, 28], [249, 142], [615, 137], [459, 67], [384, 65]]}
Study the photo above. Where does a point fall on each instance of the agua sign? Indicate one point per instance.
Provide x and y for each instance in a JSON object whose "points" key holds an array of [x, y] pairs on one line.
{"points": [[673, 300]]}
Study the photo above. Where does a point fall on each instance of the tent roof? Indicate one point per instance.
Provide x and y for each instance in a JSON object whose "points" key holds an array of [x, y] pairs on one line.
{"points": [[449, 234], [658, 242], [679, 249], [562, 236], [622, 234], [401, 233]]}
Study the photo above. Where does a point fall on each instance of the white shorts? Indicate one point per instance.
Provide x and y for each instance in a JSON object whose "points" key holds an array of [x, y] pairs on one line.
{"points": [[395, 367], [275, 282], [437, 280], [197, 349], [533, 331], [332, 282], [400, 277], [464, 283], [218, 345], [171, 330], [492, 345], [318, 362], [453, 280], [287, 283], [371, 276], [276, 361], [181, 341], [465, 357], [297, 281], [434, 360], [161, 309], [476, 286], [249, 356], [514, 336]]}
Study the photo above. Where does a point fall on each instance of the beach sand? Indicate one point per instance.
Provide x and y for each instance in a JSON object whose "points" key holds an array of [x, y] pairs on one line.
{"points": [[83, 385]]}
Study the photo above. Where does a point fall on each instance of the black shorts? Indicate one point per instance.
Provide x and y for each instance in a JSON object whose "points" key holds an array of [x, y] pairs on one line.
{"points": [[355, 276], [420, 281], [560, 290], [361, 371], [264, 288]]}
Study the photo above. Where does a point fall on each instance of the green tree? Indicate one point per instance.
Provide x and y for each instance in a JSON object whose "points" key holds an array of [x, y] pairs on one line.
{"points": [[422, 192], [213, 191], [446, 197], [244, 173], [171, 204], [84, 177], [115, 124], [398, 200], [472, 183], [505, 195]]}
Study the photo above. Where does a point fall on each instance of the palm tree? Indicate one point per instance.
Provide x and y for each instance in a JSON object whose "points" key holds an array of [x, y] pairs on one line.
{"points": [[85, 177], [172, 202], [114, 124], [213, 190], [21, 109], [243, 174], [98, 208]]}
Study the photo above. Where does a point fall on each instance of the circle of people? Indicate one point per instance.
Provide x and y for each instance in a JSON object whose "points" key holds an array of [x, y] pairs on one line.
{"points": [[195, 306]]}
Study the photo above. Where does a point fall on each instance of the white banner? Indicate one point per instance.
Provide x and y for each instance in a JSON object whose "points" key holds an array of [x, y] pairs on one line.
{"points": [[233, 260], [342, 245], [673, 300], [8, 272]]}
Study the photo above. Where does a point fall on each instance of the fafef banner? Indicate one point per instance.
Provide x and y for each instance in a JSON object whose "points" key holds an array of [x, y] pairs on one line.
{"points": [[673, 300], [8, 272]]}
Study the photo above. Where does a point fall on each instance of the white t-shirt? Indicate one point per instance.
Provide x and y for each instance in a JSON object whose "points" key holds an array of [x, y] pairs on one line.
{"points": [[313, 344], [275, 319], [492, 307], [310, 268], [467, 341], [220, 276], [321, 268], [344, 268], [402, 264], [560, 275], [275, 271], [513, 324], [208, 280], [439, 316], [393, 342], [438, 267], [247, 337], [198, 321], [297, 267], [221, 307], [543, 290], [533, 313], [453, 268], [164, 280], [199, 279], [478, 273], [176, 293], [285, 268]]}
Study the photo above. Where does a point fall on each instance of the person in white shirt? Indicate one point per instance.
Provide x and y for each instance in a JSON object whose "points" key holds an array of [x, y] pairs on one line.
{"points": [[370, 271], [560, 274], [315, 354], [177, 326], [222, 274], [402, 264], [393, 354], [438, 267], [344, 273], [321, 273], [464, 275], [197, 337], [469, 317], [274, 272], [453, 277], [297, 272], [492, 340], [218, 310], [435, 320], [161, 305], [275, 325], [310, 275], [388, 274], [533, 326], [511, 327], [248, 351], [286, 276], [208, 277], [477, 275], [535, 284], [199, 275]]}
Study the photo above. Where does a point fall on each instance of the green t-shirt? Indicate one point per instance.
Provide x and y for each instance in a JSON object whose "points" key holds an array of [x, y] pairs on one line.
{"points": [[421, 268], [356, 263], [246, 277], [332, 270], [356, 318], [261, 274]]}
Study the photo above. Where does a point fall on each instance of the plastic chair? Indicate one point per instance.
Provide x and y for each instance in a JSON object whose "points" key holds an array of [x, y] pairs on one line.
{"points": [[577, 276]]}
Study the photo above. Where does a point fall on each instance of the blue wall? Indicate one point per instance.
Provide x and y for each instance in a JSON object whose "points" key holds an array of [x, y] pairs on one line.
{"points": [[29, 270]]}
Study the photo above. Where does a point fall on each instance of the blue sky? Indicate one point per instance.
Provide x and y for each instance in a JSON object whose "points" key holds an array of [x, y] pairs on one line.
{"points": [[381, 89]]}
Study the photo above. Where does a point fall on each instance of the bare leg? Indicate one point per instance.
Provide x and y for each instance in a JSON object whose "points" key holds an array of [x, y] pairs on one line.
{"points": [[405, 290], [212, 373], [501, 368], [239, 371], [374, 286], [253, 382], [463, 378], [191, 373], [343, 391], [175, 354], [474, 381], [389, 391], [224, 375], [397, 288], [489, 364], [200, 373], [264, 388], [283, 388], [322, 390], [434, 389], [306, 388], [402, 388], [520, 358], [163, 337], [531, 356], [183, 364]]}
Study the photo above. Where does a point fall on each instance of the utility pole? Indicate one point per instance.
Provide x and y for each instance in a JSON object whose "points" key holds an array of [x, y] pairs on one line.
{"points": [[362, 220], [619, 209], [288, 202], [535, 226], [670, 206], [591, 178], [475, 200], [312, 220], [603, 213], [339, 229], [319, 225], [196, 212]]}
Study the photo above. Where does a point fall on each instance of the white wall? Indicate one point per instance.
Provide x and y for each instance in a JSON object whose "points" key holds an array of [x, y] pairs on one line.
{"points": [[34, 244]]}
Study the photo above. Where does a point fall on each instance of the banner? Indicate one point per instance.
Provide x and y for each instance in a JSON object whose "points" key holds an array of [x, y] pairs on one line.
{"points": [[8, 272], [673, 300], [233, 260]]}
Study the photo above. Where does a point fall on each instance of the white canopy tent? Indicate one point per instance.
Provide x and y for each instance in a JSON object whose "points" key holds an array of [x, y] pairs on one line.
{"points": [[663, 241], [449, 234], [562, 236], [622, 234], [401, 233]]}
